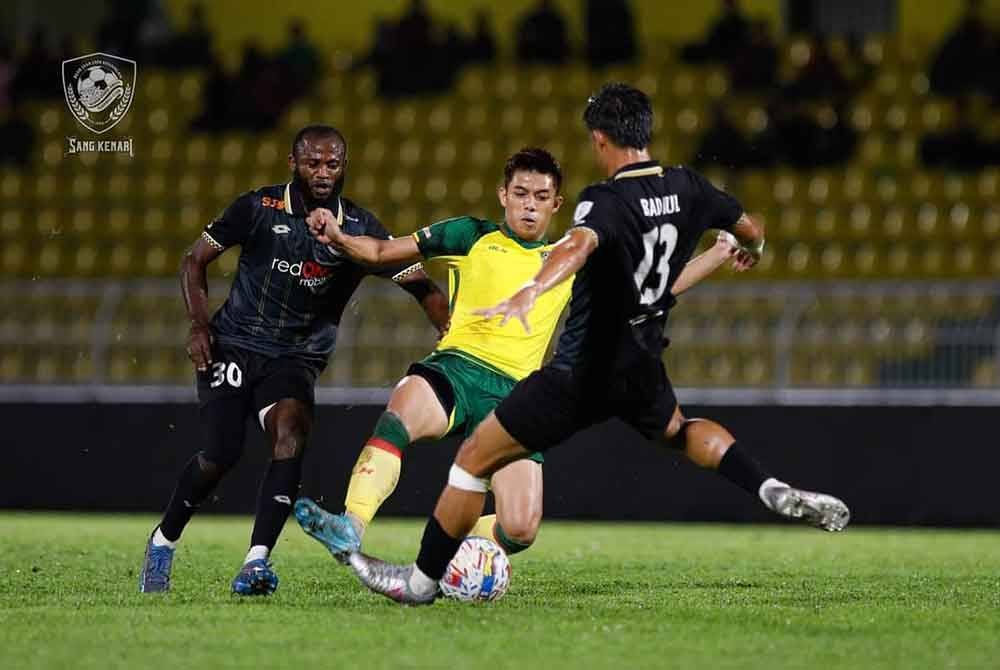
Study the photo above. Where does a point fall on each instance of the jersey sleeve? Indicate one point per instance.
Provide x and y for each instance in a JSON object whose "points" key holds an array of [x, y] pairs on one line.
{"points": [[596, 208], [233, 225], [718, 209], [451, 237], [374, 228]]}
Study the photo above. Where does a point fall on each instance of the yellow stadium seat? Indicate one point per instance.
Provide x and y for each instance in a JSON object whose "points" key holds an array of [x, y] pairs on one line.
{"points": [[506, 84], [411, 153], [14, 258], [898, 117], [928, 221], [472, 83], [899, 259], [440, 118], [988, 184], [827, 224], [820, 189], [872, 150], [10, 186], [404, 118], [887, 189], [960, 221], [11, 224], [786, 188], [541, 83]]}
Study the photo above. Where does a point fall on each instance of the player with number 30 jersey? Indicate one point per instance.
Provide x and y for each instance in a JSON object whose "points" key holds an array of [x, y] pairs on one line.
{"points": [[259, 357]]}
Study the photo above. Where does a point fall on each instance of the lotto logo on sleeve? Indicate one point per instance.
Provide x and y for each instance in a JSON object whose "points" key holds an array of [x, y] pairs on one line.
{"points": [[582, 210], [312, 274]]}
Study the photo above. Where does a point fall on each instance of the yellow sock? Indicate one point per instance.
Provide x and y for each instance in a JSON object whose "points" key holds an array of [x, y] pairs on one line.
{"points": [[484, 527], [373, 480]]}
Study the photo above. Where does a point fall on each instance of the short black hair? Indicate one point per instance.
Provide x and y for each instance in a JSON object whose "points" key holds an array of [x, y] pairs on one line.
{"points": [[316, 131], [533, 159], [623, 113]]}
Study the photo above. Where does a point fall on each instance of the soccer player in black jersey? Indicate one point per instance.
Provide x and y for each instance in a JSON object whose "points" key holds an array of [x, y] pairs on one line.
{"points": [[262, 351], [632, 235]]}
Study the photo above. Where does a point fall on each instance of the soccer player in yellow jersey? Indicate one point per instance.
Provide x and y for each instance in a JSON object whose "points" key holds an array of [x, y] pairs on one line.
{"points": [[478, 361]]}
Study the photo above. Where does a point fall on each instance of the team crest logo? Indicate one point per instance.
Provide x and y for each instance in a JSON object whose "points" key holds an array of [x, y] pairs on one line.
{"points": [[99, 89], [545, 255]]}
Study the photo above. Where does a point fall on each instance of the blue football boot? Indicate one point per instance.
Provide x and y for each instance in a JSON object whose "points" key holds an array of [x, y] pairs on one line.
{"points": [[255, 578], [155, 574], [333, 531]]}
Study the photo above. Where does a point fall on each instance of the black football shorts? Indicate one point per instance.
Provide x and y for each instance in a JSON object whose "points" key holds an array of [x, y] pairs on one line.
{"points": [[551, 404], [259, 380]]}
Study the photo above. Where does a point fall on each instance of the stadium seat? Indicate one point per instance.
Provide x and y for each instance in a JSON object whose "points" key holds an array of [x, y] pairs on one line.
{"points": [[879, 216]]}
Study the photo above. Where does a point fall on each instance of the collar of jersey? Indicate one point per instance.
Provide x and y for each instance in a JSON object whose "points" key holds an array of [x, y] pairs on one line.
{"points": [[295, 203], [524, 243], [641, 169]]}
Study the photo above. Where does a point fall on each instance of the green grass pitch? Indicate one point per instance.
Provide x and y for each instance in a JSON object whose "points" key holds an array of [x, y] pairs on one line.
{"points": [[586, 596]]}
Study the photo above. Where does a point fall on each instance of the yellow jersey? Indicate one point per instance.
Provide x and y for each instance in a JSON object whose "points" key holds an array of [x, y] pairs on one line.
{"points": [[488, 263]]}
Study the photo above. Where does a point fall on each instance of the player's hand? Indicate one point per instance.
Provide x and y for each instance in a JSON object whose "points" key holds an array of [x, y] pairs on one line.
{"points": [[515, 307], [745, 259], [726, 245], [323, 226], [199, 348]]}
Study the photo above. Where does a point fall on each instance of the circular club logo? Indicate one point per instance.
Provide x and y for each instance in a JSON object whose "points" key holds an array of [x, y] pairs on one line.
{"points": [[99, 89]]}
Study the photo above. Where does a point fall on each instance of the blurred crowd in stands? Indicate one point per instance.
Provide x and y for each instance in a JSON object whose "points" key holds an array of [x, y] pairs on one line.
{"points": [[808, 124], [416, 54]]}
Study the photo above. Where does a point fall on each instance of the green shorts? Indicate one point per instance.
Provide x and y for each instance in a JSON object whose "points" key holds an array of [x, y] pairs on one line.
{"points": [[467, 388]]}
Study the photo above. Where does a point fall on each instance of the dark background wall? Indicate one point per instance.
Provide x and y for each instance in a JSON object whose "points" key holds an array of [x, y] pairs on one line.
{"points": [[893, 465]]}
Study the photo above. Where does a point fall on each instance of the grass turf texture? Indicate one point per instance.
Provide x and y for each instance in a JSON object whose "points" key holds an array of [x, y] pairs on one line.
{"points": [[586, 596]]}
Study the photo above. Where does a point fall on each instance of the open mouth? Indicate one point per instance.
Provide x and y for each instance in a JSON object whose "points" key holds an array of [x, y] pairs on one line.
{"points": [[322, 187]]}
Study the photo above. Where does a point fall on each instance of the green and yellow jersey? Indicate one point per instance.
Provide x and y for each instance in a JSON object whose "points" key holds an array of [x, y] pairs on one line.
{"points": [[487, 263]]}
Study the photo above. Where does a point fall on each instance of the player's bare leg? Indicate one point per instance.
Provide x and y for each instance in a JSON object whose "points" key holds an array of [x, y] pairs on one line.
{"points": [[487, 450], [414, 412], [288, 423], [709, 445], [517, 489]]}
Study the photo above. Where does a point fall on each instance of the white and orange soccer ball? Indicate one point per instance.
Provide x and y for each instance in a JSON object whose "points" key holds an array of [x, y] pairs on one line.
{"points": [[479, 572]]}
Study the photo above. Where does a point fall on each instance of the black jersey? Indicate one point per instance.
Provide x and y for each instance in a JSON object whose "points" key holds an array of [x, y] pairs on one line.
{"points": [[289, 291], [648, 220]]}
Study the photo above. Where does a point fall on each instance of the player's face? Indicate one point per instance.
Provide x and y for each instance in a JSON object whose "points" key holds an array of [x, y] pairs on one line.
{"points": [[529, 201], [319, 165]]}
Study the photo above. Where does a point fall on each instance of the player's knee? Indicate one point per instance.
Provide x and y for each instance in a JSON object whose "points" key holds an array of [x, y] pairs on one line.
{"points": [[706, 442], [219, 459], [290, 439], [522, 526]]}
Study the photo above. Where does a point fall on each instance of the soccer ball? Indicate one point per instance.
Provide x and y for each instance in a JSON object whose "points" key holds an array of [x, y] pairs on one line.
{"points": [[480, 571], [97, 86]]}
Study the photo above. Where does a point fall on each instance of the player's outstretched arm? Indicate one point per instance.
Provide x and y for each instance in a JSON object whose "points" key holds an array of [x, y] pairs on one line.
{"points": [[367, 250], [568, 256], [698, 268], [195, 289]]}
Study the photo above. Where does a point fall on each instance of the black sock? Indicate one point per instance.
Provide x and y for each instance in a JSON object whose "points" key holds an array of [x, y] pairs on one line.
{"points": [[274, 502], [197, 480], [742, 469], [437, 548]]}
